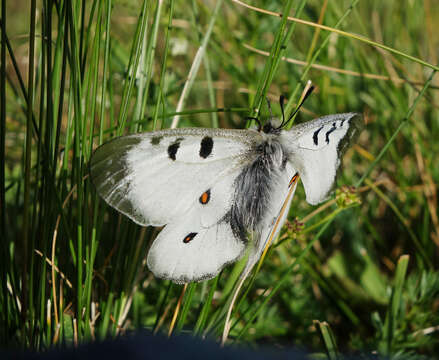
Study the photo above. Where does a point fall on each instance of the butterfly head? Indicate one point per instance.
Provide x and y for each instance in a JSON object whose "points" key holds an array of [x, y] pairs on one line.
{"points": [[273, 126]]}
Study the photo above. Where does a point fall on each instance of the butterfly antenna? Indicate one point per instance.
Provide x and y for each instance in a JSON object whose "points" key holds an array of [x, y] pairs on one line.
{"points": [[281, 102], [307, 94], [255, 119]]}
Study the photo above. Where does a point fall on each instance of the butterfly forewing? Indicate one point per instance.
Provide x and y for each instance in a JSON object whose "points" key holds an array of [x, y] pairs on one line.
{"points": [[316, 148], [111, 175], [155, 177]]}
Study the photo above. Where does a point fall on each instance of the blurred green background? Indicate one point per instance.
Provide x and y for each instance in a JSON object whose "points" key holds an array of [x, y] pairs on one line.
{"points": [[357, 274]]}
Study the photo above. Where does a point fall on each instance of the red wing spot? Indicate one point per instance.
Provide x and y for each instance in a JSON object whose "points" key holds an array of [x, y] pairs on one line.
{"points": [[205, 197], [293, 179], [189, 237]]}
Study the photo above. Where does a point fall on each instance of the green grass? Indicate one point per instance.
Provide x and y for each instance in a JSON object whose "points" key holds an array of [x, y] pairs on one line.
{"points": [[76, 75]]}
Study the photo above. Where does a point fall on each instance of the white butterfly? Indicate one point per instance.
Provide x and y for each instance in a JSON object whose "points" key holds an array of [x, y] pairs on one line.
{"points": [[219, 192]]}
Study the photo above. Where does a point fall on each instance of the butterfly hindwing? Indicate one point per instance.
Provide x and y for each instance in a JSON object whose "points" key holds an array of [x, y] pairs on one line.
{"points": [[183, 256], [316, 148], [156, 177], [195, 247], [276, 212]]}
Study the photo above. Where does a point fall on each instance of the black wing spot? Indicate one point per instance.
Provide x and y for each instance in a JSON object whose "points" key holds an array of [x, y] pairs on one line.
{"points": [[189, 237], [172, 150], [315, 137], [206, 147], [205, 197], [330, 131], [155, 140]]}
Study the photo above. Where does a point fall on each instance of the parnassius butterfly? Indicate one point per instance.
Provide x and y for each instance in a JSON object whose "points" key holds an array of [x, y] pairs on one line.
{"points": [[217, 191]]}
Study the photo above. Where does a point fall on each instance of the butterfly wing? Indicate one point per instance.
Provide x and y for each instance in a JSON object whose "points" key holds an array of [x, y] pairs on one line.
{"points": [[154, 178], [183, 178], [197, 245], [315, 149], [276, 213]]}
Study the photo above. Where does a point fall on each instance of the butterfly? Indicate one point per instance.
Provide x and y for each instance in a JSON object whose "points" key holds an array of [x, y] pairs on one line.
{"points": [[219, 193]]}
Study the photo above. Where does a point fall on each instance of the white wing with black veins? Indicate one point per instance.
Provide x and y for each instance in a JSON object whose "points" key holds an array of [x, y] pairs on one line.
{"points": [[315, 149]]}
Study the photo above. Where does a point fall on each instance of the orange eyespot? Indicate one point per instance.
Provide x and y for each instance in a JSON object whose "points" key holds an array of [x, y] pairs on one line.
{"points": [[293, 179], [189, 237], [205, 197]]}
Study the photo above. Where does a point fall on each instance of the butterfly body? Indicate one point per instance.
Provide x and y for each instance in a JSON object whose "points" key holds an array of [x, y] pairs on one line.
{"points": [[219, 192]]}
